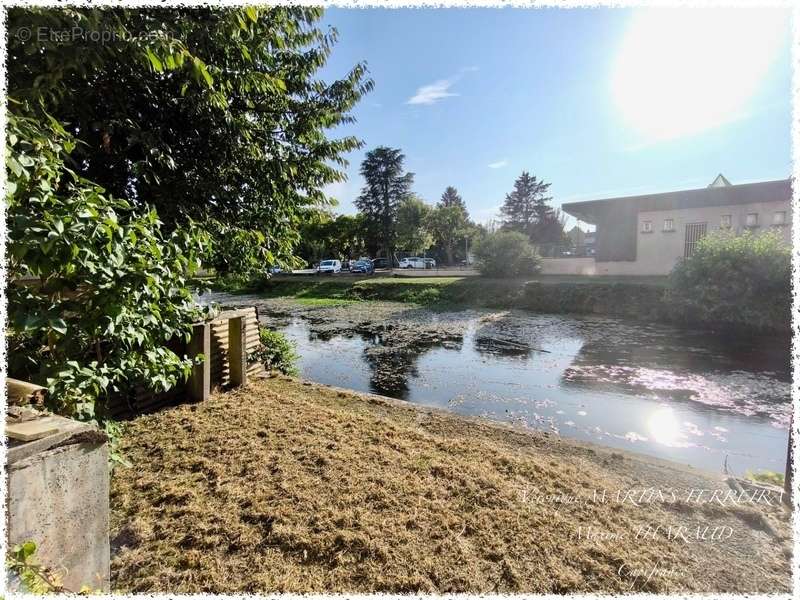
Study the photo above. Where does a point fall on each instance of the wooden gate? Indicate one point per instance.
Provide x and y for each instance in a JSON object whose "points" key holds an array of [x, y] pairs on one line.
{"points": [[694, 231]]}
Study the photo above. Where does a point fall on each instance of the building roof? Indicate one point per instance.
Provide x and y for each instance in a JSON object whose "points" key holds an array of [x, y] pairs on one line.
{"points": [[720, 181], [746, 193]]}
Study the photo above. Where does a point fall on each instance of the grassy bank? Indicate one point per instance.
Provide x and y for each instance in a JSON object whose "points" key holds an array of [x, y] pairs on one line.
{"points": [[647, 299], [631, 298], [289, 486]]}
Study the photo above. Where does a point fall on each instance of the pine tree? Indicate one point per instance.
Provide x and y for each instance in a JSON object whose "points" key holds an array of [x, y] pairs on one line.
{"points": [[526, 210], [451, 197], [386, 186]]}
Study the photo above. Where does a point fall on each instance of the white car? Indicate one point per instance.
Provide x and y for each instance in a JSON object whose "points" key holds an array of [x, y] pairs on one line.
{"points": [[412, 263], [330, 266]]}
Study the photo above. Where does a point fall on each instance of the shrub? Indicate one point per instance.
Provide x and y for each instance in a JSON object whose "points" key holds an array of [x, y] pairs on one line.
{"points": [[421, 296], [507, 254], [276, 352], [106, 291], [740, 280]]}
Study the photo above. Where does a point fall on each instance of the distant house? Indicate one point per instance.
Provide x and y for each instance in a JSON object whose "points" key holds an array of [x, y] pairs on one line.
{"points": [[647, 235], [577, 237], [582, 241]]}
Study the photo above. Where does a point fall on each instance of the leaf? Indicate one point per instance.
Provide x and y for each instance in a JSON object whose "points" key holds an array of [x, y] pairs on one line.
{"points": [[252, 13], [154, 61]]}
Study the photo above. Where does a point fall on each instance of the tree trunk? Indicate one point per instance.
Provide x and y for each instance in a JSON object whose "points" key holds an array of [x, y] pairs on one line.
{"points": [[450, 254]]}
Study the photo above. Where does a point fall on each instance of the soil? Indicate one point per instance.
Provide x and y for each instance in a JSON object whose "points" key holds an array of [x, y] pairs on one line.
{"points": [[289, 486]]}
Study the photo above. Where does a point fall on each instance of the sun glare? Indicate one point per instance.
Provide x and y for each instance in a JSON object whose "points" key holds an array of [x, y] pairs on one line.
{"points": [[680, 71]]}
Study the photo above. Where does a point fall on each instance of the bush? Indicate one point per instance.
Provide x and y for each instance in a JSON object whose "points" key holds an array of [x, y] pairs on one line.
{"points": [[740, 280], [276, 352], [97, 291], [507, 254]]}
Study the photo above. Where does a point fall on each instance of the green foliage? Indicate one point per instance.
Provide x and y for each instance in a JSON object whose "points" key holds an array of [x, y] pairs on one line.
{"points": [[325, 236], [507, 254], [449, 225], [104, 290], [451, 197], [387, 184], [33, 578], [276, 352], [412, 225], [426, 295], [113, 430], [743, 281], [527, 211], [212, 115], [765, 476]]}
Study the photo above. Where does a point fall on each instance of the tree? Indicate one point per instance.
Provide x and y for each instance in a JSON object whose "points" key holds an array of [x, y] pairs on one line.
{"points": [[507, 254], [413, 234], [743, 280], [451, 197], [215, 115], [106, 290], [387, 184], [526, 210], [449, 226]]}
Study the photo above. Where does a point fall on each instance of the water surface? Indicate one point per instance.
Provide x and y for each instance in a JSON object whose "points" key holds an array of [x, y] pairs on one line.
{"points": [[686, 396]]}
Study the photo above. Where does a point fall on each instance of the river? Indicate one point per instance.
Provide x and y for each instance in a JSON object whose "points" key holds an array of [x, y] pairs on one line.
{"points": [[681, 395]]}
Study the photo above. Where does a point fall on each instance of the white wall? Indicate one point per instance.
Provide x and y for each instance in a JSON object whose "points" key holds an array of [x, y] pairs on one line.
{"points": [[568, 266], [658, 252]]}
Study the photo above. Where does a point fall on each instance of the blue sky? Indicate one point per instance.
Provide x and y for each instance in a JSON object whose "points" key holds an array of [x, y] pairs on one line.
{"points": [[598, 102]]}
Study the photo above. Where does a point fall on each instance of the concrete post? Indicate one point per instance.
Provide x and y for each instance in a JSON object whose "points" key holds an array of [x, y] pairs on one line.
{"points": [[237, 350], [199, 385]]}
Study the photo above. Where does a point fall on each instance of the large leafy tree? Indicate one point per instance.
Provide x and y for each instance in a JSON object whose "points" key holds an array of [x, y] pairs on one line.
{"points": [[449, 226], [386, 185], [216, 115], [413, 234], [526, 210], [326, 236]]}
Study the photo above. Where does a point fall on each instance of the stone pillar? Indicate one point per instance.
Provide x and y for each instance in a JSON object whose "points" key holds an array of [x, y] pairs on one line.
{"points": [[57, 497]]}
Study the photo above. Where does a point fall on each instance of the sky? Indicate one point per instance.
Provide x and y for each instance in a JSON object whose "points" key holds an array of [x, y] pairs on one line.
{"points": [[599, 102]]}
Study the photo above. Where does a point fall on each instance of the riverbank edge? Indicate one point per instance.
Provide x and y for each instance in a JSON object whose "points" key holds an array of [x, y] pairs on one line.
{"points": [[443, 431], [635, 300], [571, 445]]}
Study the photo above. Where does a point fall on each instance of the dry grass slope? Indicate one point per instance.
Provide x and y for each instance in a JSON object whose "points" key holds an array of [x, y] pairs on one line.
{"points": [[286, 486]]}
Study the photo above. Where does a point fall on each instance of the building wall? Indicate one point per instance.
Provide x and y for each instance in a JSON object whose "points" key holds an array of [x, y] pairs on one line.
{"points": [[568, 266], [657, 252]]}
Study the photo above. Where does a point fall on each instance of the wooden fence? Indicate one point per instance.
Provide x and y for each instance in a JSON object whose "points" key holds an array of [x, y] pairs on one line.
{"points": [[227, 341]]}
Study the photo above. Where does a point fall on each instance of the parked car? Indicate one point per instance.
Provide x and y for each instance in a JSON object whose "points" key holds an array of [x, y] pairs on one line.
{"points": [[363, 265], [380, 263], [412, 262], [329, 266], [430, 263]]}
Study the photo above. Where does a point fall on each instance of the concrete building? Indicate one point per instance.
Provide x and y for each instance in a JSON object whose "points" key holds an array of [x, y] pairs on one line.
{"points": [[647, 235]]}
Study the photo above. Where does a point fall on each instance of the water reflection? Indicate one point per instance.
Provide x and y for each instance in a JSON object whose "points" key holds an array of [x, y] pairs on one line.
{"points": [[652, 389], [664, 427]]}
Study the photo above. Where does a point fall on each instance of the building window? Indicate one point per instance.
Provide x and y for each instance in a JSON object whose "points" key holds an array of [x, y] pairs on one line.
{"points": [[694, 231], [725, 222], [669, 225], [647, 227], [779, 218], [752, 220]]}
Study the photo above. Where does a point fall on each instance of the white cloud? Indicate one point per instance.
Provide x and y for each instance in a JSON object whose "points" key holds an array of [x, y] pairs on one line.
{"points": [[438, 90], [429, 94], [498, 165]]}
